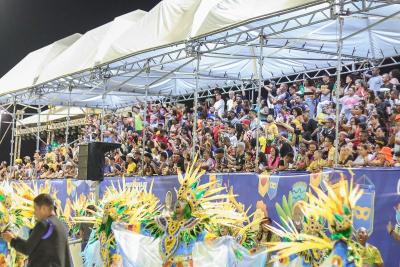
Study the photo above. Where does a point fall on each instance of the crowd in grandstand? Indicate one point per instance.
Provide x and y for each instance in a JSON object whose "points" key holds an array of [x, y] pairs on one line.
{"points": [[296, 131]]}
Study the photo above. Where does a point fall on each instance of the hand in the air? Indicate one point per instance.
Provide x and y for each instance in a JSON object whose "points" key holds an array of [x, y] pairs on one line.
{"points": [[7, 236]]}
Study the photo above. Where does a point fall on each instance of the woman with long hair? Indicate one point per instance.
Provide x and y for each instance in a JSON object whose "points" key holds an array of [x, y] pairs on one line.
{"points": [[273, 158], [349, 83]]}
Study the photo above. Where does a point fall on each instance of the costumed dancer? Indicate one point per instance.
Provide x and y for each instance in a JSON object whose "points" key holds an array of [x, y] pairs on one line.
{"points": [[8, 219], [16, 215], [199, 210], [124, 204], [23, 208], [335, 207], [47, 244]]}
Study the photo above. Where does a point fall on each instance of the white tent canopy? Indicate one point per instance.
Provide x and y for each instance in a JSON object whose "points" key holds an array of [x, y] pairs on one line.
{"points": [[28, 70], [53, 114], [114, 64]]}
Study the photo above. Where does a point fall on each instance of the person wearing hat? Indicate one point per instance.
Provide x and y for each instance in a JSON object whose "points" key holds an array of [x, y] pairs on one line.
{"points": [[130, 165], [47, 244], [384, 158]]}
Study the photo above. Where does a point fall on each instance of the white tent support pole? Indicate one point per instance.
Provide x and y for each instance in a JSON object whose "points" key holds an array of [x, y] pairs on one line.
{"points": [[22, 125], [13, 134], [103, 112], [39, 110], [260, 83], [68, 117], [340, 21], [145, 116], [195, 106], [102, 123], [2, 108]]}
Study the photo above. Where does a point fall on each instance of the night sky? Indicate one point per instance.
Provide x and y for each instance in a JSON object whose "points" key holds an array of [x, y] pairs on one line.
{"points": [[27, 25]]}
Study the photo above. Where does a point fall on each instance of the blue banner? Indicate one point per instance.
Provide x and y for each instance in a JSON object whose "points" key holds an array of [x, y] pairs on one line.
{"points": [[374, 210]]}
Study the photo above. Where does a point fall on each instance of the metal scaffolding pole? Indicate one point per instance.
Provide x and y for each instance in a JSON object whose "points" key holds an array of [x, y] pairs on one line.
{"points": [[39, 110], [340, 21], [102, 122], [13, 134], [68, 118], [195, 106], [260, 84], [145, 117]]}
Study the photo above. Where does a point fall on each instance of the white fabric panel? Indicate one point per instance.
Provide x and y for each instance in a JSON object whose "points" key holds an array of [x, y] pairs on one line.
{"points": [[223, 251], [79, 56], [106, 49], [26, 72], [52, 115], [227, 12], [136, 250], [168, 22]]}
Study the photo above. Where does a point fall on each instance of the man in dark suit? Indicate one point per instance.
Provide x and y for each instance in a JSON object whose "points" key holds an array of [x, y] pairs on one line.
{"points": [[47, 245]]}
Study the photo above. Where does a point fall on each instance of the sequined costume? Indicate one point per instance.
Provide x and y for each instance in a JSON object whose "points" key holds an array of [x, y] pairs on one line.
{"points": [[199, 210], [312, 246], [122, 203]]}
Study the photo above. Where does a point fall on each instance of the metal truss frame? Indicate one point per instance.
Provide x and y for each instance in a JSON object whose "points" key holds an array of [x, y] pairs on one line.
{"points": [[289, 78], [209, 45]]}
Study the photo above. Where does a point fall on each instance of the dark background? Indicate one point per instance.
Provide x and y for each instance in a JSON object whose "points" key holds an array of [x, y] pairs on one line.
{"points": [[27, 25]]}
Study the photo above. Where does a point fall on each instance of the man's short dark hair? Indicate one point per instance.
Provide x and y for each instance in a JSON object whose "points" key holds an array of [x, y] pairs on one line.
{"points": [[164, 155], [44, 200], [329, 139], [219, 151]]}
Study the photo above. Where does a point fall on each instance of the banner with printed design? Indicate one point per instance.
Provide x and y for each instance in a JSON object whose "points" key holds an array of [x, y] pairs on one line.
{"points": [[379, 204]]}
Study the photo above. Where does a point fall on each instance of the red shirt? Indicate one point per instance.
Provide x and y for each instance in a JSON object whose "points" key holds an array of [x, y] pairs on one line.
{"points": [[160, 139], [215, 132]]}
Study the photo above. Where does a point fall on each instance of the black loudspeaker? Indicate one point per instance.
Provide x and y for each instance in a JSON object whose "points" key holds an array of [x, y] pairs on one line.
{"points": [[91, 160]]}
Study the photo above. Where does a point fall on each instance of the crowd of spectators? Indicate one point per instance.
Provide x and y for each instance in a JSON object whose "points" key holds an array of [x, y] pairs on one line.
{"points": [[296, 131]]}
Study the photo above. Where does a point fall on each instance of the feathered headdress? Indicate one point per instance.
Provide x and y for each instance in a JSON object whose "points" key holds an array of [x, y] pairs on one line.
{"points": [[335, 207], [194, 194]]}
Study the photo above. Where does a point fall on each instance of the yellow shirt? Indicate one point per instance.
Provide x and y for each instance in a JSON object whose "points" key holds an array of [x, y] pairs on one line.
{"points": [[131, 168], [370, 255], [331, 154], [263, 143], [51, 157], [271, 128], [63, 150], [297, 123], [321, 117], [316, 164]]}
